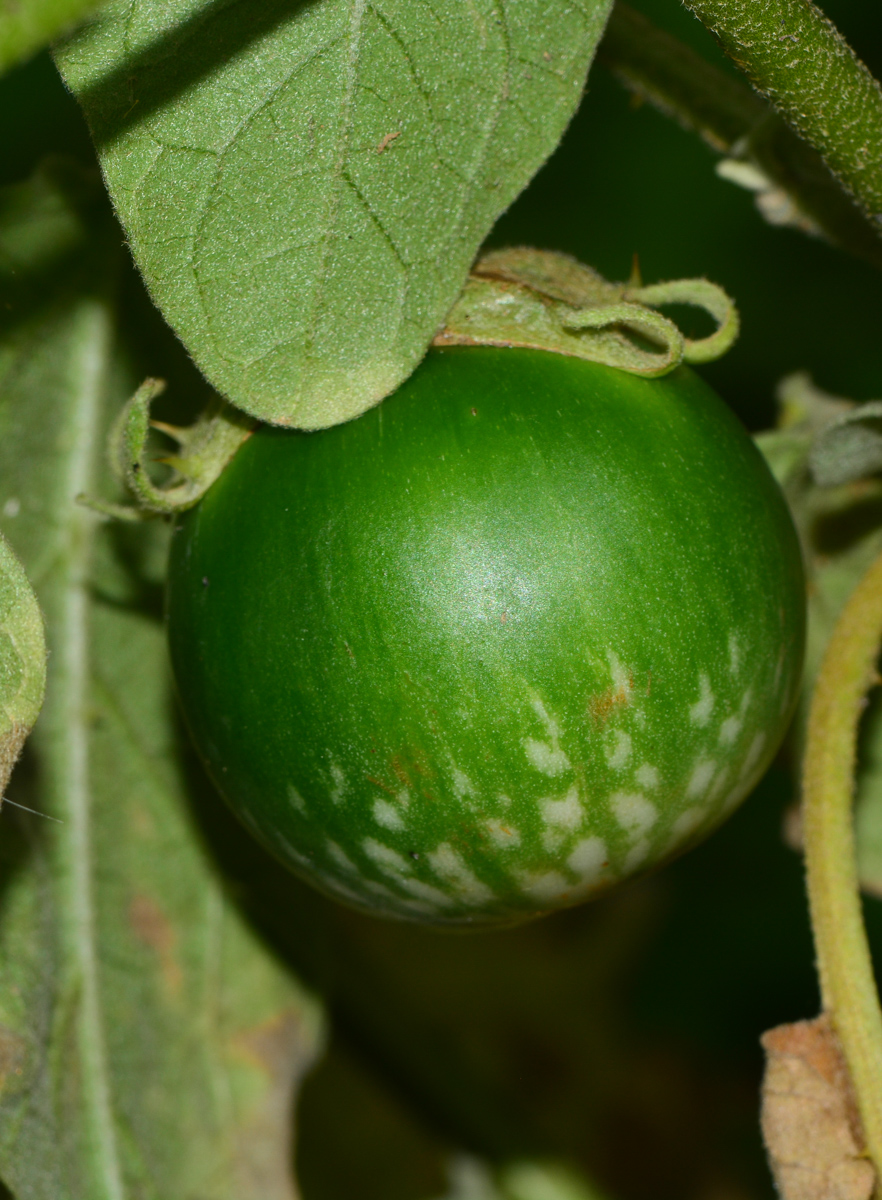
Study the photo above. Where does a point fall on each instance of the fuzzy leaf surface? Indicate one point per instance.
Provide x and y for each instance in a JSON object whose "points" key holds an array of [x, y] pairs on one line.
{"points": [[149, 1042], [305, 184], [22, 660]]}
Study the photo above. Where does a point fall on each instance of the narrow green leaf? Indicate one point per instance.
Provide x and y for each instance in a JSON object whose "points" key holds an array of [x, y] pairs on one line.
{"points": [[305, 185], [22, 660], [150, 1042], [28, 25]]}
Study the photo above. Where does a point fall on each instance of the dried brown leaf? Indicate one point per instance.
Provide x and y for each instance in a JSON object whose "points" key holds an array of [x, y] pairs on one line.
{"points": [[810, 1123]]}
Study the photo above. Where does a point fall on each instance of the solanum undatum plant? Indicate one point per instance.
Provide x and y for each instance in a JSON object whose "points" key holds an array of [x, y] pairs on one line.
{"points": [[480, 601]]}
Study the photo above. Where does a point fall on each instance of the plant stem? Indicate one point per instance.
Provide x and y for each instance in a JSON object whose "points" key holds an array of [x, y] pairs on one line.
{"points": [[799, 60], [848, 987], [733, 120]]}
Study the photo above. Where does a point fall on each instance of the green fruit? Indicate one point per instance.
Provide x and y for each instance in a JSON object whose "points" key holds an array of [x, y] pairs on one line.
{"points": [[527, 628]]}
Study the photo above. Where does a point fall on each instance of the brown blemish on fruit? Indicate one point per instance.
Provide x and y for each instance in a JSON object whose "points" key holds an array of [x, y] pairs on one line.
{"points": [[151, 926], [376, 782], [603, 705], [400, 773]]}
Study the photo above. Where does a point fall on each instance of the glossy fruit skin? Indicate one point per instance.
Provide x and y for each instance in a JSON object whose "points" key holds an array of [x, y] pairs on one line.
{"points": [[529, 627]]}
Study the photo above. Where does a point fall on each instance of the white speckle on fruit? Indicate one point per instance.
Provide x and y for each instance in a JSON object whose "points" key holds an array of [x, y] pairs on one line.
{"points": [[588, 858], [732, 799], [399, 870], [345, 893], [617, 756], [446, 863], [503, 835], [387, 814], [425, 891], [746, 701], [553, 839], [296, 855], [700, 711], [504, 800], [462, 785], [566, 813], [647, 776], [379, 888], [546, 757], [341, 858], [338, 791], [779, 667], [702, 774], [753, 752], [687, 821], [633, 811], [623, 681], [550, 760], [296, 799], [730, 729], [543, 887], [387, 859], [734, 654], [636, 855], [718, 784]]}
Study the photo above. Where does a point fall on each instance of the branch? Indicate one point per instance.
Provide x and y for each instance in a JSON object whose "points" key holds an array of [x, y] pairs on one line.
{"points": [[799, 60], [734, 121], [848, 987]]}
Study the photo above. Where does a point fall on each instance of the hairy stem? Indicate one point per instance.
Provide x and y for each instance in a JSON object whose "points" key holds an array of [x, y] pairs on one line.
{"points": [[733, 120], [848, 987], [798, 59]]}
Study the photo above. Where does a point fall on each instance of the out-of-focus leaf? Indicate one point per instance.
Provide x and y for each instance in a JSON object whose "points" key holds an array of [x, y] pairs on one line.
{"points": [[150, 1042], [304, 185], [472, 1179], [850, 447], [26, 25], [22, 660], [822, 454]]}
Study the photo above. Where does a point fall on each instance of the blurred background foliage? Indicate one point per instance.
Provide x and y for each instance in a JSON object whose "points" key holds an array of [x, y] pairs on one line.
{"points": [[622, 1036]]}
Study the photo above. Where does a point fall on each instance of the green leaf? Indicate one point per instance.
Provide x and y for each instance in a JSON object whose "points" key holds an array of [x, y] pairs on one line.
{"points": [[149, 1041], [27, 25], [22, 660], [549, 301], [472, 1179], [850, 447], [821, 454], [305, 185]]}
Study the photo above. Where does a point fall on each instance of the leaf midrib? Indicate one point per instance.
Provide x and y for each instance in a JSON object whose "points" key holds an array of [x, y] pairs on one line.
{"points": [[66, 740]]}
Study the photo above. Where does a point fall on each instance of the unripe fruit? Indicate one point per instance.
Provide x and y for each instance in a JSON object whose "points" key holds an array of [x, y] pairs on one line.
{"points": [[527, 628]]}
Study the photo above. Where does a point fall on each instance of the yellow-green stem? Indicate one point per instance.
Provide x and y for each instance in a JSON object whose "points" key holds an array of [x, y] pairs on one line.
{"points": [[848, 988]]}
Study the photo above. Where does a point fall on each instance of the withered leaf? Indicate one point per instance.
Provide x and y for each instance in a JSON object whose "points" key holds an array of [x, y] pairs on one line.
{"points": [[810, 1123]]}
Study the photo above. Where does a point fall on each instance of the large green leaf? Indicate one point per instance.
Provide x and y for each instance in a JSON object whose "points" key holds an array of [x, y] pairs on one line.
{"points": [[149, 1043], [305, 183]]}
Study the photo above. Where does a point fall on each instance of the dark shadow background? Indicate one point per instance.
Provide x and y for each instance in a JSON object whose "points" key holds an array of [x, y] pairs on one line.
{"points": [[623, 1035]]}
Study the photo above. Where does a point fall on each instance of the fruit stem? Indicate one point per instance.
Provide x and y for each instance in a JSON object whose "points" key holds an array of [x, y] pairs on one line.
{"points": [[848, 987]]}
